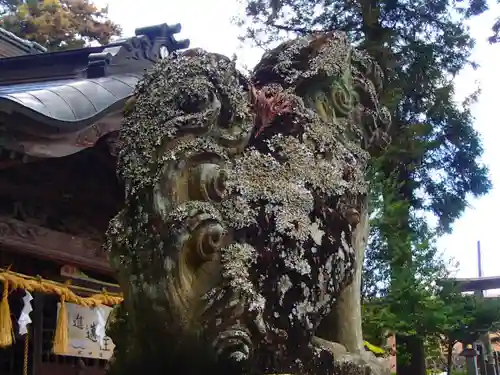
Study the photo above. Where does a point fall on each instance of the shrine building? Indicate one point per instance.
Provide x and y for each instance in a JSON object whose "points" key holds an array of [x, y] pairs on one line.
{"points": [[60, 113]]}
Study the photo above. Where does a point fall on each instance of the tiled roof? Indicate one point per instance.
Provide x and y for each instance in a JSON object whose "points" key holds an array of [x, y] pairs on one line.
{"points": [[70, 101], [52, 104], [12, 45]]}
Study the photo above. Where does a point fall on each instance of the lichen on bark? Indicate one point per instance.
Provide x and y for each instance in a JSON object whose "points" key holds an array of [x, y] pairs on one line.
{"points": [[242, 195]]}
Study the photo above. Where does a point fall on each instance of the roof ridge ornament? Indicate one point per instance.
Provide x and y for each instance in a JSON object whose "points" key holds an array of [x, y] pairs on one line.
{"points": [[137, 53]]}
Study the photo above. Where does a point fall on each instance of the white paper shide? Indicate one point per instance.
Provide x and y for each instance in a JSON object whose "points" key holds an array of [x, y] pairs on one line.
{"points": [[24, 318]]}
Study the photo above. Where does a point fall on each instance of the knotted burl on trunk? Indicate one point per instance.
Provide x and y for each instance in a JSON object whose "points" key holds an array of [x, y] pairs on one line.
{"points": [[241, 199]]}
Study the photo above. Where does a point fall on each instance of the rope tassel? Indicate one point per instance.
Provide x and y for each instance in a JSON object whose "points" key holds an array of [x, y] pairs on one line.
{"points": [[61, 337], [6, 329], [26, 354]]}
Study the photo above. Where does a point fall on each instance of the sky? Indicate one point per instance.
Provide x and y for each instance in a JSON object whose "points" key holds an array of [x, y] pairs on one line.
{"points": [[208, 25]]}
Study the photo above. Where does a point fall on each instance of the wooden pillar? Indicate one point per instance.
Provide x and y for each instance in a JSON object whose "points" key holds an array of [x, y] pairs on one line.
{"points": [[497, 361], [80, 367], [491, 368], [38, 299], [481, 359]]}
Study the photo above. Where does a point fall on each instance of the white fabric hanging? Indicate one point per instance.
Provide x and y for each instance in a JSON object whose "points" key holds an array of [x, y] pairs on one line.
{"points": [[24, 318], [100, 329]]}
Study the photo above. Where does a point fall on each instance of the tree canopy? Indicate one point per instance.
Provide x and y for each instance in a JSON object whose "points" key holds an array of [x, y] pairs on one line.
{"points": [[58, 24]]}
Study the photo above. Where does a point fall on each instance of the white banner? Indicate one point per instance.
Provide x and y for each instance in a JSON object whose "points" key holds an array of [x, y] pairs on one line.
{"points": [[86, 332]]}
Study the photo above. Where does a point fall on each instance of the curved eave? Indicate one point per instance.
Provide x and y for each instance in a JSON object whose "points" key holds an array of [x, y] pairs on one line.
{"points": [[67, 106], [59, 118]]}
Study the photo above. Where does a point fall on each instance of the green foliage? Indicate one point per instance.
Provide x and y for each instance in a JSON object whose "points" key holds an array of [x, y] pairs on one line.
{"points": [[468, 316], [495, 37], [58, 24], [399, 288]]}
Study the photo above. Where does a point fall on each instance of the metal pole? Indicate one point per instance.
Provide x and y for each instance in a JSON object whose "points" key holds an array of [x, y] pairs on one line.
{"points": [[486, 356], [479, 292], [479, 262]]}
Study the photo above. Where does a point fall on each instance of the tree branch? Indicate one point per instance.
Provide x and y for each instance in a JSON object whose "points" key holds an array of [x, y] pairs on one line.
{"points": [[300, 30]]}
